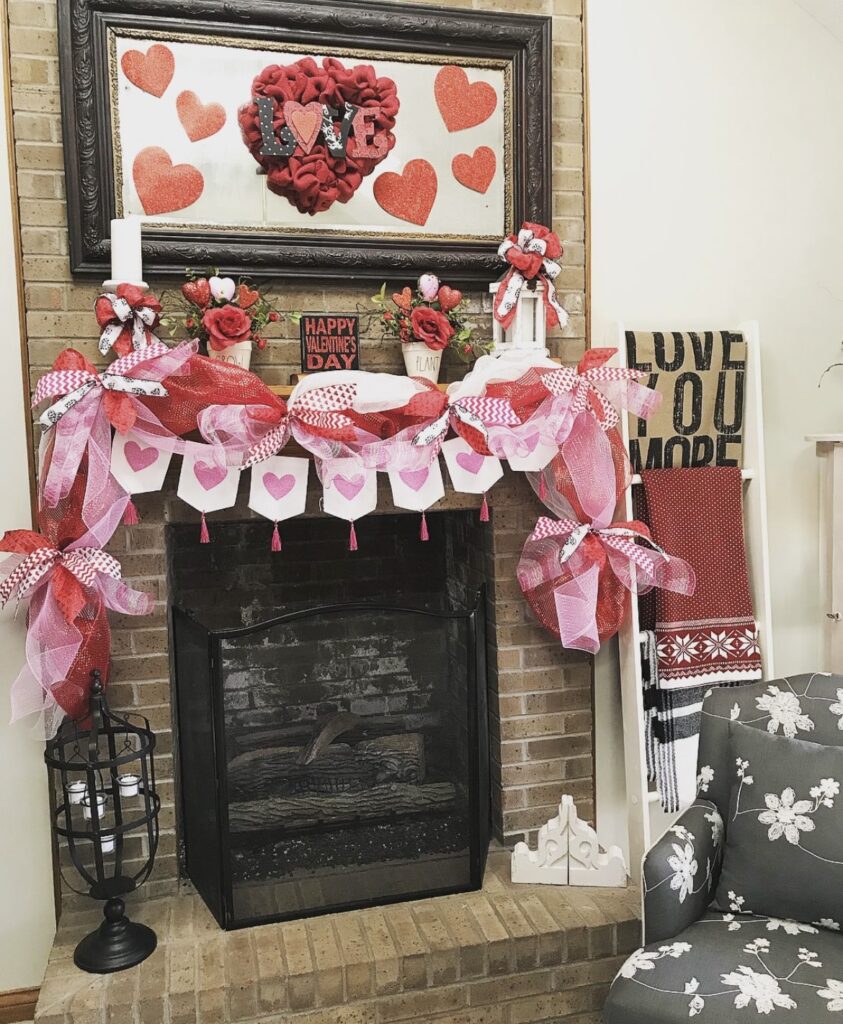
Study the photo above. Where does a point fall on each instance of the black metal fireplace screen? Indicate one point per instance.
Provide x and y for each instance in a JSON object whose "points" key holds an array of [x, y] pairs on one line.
{"points": [[333, 757]]}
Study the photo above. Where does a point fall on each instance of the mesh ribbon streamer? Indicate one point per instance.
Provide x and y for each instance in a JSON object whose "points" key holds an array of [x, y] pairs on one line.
{"points": [[575, 571], [67, 628]]}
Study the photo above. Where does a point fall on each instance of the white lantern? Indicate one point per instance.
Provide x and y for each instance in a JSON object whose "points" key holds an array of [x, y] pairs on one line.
{"points": [[528, 330]]}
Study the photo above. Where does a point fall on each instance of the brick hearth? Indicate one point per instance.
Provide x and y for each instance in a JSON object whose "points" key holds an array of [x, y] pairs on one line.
{"points": [[506, 955]]}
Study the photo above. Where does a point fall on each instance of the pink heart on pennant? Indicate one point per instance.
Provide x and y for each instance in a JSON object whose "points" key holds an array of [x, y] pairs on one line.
{"points": [[414, 478], [279, 486], [349, 487], [471, 462], [208, 475], [531, 442], [139, 458]]}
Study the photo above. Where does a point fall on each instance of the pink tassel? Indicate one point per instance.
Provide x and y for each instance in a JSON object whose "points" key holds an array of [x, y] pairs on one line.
{"points": [[423, 534], [352, 538], [204, 536], [130, 516], [276, 539], [542, 487], [484, 511]]}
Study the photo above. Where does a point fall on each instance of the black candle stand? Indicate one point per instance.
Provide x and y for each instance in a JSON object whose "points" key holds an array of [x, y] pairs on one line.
{"points": [[104, 777]]}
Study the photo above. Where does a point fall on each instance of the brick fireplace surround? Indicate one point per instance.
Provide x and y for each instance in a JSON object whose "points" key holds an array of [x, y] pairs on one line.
{"points": [[502, 956]]}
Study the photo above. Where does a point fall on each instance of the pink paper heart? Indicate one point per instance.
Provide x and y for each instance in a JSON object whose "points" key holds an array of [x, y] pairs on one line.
{"points": [[414, 478], [139, 458], [471, 462], [531, 442], [349, 487], [279, 486], [209, 475]]}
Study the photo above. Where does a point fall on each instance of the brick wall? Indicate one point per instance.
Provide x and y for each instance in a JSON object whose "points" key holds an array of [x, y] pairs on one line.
{"points": [[542, 715]]}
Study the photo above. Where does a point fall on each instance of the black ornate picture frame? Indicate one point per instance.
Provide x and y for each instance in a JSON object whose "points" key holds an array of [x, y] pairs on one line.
{"points": [[87, 29]]}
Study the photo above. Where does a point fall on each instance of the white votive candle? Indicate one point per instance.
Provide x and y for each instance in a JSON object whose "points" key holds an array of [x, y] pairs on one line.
{"points": [[76, 791], [129, 784], [108, 843], [87, 810], [126, 252]]}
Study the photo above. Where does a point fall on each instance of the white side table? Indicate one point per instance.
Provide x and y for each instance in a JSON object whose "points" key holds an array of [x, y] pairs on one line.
{"points": [[830, 451]]}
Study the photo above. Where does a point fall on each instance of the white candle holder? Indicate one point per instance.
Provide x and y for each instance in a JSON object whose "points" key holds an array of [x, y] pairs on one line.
{"points": [[528, 330], [108, 844], [87, 808], [129, 784], [76, 791]]}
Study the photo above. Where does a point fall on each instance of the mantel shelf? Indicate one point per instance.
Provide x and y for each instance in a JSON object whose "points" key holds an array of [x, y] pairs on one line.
{"points": [[285, 390]]}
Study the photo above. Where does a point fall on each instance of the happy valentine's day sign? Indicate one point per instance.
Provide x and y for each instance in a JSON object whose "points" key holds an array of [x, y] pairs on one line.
{"points": [[329, 342]]}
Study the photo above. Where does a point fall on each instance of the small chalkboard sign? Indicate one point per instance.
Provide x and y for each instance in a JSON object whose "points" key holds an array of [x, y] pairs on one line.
{"points": [[329, 341]]}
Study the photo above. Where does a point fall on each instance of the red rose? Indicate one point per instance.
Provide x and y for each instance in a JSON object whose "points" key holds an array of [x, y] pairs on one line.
{"points": [[226, 325], [431, 327]]}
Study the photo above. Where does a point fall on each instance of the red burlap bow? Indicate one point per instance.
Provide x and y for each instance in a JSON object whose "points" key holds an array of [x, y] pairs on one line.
{"points": [[127, 318], [531, 255]]}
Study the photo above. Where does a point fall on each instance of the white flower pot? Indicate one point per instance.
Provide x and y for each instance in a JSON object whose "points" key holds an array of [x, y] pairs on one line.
{"points": [[238, 354], [422, 361]]}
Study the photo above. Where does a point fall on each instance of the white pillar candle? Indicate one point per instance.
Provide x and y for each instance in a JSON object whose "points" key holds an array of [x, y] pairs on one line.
{"points": [[129, 784], [86, 806], [107, 844], [76, 791], [126, 253]]}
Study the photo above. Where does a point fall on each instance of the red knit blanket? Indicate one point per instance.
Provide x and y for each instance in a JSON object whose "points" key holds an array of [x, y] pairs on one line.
{"points": [[710, 637]]}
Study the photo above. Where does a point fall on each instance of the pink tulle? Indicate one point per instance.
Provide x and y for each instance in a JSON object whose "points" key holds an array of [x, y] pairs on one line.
{"points": [[52, 643]]}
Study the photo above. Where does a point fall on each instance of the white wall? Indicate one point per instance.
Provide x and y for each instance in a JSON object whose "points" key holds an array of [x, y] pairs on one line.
{"points": [[717, 197], [27, 921]]}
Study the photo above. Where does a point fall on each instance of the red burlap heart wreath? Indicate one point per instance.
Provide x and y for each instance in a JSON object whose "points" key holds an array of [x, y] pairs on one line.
{"points": [[314, 181]]}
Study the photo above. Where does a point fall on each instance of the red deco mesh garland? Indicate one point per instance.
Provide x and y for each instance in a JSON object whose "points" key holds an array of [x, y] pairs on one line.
{"points": [[313, 182], [612, 595], [208, 381]]}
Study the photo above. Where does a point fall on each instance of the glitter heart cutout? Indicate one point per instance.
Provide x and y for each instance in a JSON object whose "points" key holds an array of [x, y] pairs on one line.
{"points": [[409, 195], [304, 121], [163, 187], [477, 171], [461, 104], [200, 120], [151, 71]]}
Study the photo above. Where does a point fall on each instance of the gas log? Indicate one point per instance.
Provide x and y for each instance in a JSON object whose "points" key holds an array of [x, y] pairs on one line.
{"points": [[339, 808], [341, 768]]}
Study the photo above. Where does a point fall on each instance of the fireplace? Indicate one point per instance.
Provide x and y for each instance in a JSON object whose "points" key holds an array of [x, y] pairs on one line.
{"points": [[332, 714]]}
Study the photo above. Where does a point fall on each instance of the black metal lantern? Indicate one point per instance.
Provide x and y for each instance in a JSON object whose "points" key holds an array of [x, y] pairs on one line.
{"points": [[104, 778]]}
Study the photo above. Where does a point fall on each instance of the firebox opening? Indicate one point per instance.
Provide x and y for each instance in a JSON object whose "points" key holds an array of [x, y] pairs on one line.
{"points": [[337, 701]]}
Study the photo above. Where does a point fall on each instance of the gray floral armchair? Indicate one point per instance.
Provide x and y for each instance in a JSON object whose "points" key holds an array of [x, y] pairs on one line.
{"points": [[724, 965]]}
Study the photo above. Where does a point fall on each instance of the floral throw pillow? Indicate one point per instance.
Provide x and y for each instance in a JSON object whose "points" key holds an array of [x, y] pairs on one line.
{"points": [[784, 833]]}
